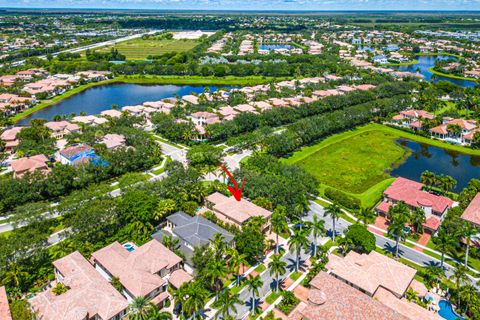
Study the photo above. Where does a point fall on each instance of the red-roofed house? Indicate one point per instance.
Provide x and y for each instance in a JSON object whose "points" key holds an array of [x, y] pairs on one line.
{"points": [[412, 118], [143, 271], [30, 164], [235, 212], [472, 212], [468, 128], [62, 128], [411, 193], [10, 138]]}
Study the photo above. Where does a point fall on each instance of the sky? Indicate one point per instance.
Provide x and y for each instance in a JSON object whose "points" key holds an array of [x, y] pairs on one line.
{"points": [[302, 5]]}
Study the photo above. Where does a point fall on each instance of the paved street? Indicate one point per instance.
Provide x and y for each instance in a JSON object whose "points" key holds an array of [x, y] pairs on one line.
{"points": [[268, 284], [175, 153]]}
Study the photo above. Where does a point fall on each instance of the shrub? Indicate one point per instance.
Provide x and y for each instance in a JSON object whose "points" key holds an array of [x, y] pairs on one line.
{"points": [[342, 199], [288, 303]]}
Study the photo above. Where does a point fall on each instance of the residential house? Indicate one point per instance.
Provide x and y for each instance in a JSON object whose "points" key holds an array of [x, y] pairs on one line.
{"points": [[30, 164], [10, 138], [234, 212], [78, 154], [143, 271], [410, 192], [192, 232], [412, 119], [111, 113], [190, 99], [4, 307], [89, 120], [442, 131], [8, 80], [88, 296], [381, 59], [61, 128], [113, 141], [12, 103], [472, 212], [382, 278]]}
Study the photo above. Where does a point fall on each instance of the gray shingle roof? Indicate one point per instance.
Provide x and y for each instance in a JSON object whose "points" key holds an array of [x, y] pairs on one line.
{"points": [[197, 230], [179, 218]]}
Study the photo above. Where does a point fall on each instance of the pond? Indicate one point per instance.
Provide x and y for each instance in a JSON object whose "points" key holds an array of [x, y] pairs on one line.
{"points": [[271, 47], [426, 62], [460, 166], [96, 99]]}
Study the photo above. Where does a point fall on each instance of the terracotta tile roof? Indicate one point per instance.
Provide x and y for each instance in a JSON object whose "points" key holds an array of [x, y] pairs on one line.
{"points": [[30, 164], [89, 293], [238, 211], [410, 310], [417, 114], [398, 117], [441, 129], [432, 223], [384, 206], [4, 308], [464, 124], [72, 151], [410, 192], [10, 134], [138, 270], [371, 271], [61, 126], [472, 212], [332, 299], [111, 113], [113, 140], [179, 277], [419, 287]]}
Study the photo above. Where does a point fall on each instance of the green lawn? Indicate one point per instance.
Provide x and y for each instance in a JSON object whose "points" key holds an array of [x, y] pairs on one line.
{"points": [[139, 49], [358, 161], [272, 297]]}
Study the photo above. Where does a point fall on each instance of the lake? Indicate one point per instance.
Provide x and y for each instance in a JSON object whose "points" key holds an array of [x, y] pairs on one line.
{"points": [[460, 166], [96, 99], [426, 62]]}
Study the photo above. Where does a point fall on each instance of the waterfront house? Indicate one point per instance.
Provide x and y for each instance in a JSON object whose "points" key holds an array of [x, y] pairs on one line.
{"points": [[143, 271], [234, 212], [412, 119], [12, 103], [410, 192], [444, 132], [380, 59], [30, 164], [112, 113], [89, 120], [88, 295]]}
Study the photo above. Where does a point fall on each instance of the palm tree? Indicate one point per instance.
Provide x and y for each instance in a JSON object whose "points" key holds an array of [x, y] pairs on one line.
{"points": [[192, 298], [254, 284], [318, 229], [418, 219], [433, 273], [447, 183], [236, 260], [333, 211], [300, 209], [277, 268], [226, 304], [279, 223], [366, 216], [215, 272], [164, 207], [468, 231], [467, 294], [14, 276], [139, 309], [428, 178], [170, 242], [444, 243], [459, 276], [297, 241], [219, 246], [395, 229], [156, 314]]}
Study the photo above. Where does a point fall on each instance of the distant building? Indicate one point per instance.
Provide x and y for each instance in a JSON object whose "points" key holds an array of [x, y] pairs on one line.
{"points": [[380, 59]]}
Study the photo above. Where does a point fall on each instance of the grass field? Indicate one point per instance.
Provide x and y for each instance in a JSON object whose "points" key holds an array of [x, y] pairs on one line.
{"points": [[139, 49], [358, 161]]}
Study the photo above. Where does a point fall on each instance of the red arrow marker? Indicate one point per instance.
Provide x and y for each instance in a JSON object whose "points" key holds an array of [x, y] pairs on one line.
{"points": [[237, 193]]}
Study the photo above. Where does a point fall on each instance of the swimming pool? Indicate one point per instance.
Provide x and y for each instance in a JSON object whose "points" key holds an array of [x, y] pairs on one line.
{"points": [[446, 311], [129, 246]]}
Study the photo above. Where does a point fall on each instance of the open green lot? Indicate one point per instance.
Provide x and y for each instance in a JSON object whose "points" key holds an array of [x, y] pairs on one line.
{"points": [[358, 161], [139, 49]]}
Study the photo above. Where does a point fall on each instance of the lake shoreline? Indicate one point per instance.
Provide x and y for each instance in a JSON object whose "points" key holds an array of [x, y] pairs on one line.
{"points": [[143, 79]]}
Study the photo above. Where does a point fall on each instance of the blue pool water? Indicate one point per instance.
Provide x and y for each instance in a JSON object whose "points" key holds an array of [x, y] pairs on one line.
{"points": [[129, 247], [446, 311]]}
